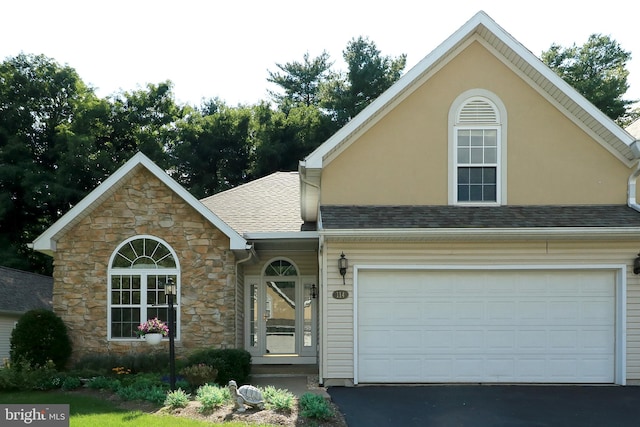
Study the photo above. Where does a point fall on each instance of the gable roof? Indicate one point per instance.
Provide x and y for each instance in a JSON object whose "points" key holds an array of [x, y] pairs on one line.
{"points": [[21, 291], [530, 68], [481, 27], [270, 204], [46, 242]]}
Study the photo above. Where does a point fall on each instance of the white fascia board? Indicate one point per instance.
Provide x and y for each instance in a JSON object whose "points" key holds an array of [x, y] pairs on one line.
{"points": [[46, 242], [287, 235], [485, 233]]}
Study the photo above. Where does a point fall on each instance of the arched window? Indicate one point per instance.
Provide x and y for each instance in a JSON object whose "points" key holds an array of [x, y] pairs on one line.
{"points": [[477, 149], [138, 271]]}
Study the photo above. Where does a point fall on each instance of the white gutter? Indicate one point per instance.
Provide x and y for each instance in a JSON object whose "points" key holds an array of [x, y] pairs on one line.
{"points": [[287, 235], [485, 233], [631, 186]]}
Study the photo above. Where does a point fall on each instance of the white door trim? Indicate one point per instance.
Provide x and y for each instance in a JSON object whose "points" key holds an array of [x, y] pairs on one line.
{"points": [[620, 302]]}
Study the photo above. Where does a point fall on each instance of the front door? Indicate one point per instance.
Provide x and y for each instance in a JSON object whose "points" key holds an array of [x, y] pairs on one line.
{"points": [[281, 309]]}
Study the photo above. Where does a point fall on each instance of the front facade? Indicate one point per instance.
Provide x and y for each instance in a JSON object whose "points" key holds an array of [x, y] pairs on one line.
{"points": [[487, 212]]}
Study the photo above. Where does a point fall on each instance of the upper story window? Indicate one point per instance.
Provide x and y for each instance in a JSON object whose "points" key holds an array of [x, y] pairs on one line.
{"points": [[477, 150], [138, 270]]}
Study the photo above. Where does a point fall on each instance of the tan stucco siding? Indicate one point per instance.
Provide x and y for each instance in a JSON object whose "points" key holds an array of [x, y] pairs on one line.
{"points": [[338, 325], [145, 206], [403, 158]]}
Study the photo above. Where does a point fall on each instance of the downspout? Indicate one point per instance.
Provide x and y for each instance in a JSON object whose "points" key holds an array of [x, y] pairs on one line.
{"points": [[252, 252]]}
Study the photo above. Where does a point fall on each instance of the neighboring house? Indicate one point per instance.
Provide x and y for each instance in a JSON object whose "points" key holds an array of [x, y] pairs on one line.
{"points": [[20, 291], [487, 212]]}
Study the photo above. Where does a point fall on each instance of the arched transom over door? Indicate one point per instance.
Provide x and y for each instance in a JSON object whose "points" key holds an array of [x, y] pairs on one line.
{"points": [[281, 322]]}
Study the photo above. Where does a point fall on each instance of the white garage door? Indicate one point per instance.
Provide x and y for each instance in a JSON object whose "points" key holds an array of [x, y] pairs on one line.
{"points": [[485, 326]]}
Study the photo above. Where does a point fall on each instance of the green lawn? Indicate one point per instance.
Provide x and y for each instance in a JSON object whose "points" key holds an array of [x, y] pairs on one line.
{"points": [[91, 412]]}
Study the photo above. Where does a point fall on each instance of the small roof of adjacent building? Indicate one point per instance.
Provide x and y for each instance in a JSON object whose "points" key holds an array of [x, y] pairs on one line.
{"points": [[21, 291], [270, 204]]}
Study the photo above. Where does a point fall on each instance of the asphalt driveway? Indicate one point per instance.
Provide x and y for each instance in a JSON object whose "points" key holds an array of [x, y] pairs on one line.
{"points": [[489, 405]]}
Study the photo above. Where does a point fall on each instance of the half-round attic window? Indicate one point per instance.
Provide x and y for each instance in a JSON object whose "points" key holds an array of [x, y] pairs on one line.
{"points": [[143, 253], [478, 110]]}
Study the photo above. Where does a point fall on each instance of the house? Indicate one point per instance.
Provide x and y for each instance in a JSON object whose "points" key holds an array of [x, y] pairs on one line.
{"points": [[477, 222], [20, 291]]}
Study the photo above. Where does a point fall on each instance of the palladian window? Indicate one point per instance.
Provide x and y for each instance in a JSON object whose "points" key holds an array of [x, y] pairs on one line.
{"points": [[138, 271]]}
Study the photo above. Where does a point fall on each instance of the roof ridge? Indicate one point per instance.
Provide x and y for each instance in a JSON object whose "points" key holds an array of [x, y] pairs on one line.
{"points": [[252, 182]]}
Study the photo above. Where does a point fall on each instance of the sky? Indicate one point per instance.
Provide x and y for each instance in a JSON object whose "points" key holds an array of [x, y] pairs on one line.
{"points": [[225, 49]]}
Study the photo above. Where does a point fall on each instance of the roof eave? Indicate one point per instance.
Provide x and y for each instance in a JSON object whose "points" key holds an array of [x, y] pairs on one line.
{"points": [[525, 233]]}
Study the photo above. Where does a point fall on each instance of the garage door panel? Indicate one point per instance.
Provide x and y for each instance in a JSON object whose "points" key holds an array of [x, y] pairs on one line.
{"points": [[500, 326]]}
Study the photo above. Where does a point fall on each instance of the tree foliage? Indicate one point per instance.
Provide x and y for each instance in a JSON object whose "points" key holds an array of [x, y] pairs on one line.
{"points": [[39, 336], [301, 81], [214, 149], [368, 75], [597, 70]]}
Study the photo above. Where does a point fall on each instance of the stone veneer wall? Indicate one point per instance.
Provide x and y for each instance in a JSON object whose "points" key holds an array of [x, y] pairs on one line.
{"points": [[144, 205]]}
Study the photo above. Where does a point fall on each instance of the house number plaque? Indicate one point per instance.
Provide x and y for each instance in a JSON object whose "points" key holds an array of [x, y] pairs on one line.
{"points": [[340, 294]]}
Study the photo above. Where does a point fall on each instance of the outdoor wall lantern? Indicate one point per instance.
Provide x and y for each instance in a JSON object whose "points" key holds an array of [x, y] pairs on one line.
{"points": [[170, 291], [343, 264], [314, 291], [636, 265]]}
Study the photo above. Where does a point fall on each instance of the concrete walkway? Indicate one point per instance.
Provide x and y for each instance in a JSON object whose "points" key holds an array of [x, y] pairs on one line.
{"points": [[298, 379]]}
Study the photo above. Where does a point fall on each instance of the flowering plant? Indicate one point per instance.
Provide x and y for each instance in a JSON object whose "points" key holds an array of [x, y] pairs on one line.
{"points": [[153, 326]]}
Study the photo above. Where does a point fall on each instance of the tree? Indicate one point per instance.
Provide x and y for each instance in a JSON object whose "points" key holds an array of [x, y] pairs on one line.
{"points": [[214, 149], [39, 100], [282, 138], [142, 120], [369, 75], [301, 82], [596, 69]]}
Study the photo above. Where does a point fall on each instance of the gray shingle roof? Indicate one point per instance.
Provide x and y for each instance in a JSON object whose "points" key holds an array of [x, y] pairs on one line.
{"points": [[267, 204], [21, 291], [430, 217]]}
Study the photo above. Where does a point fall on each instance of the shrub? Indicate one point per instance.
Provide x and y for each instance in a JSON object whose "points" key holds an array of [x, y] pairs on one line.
{"points": [[176, 399], [103, 383], [39, 336], [232, 364], [71, 383], [104, 364], [212, 396], [23, 375], [199, 374], [278, 399], [315, 406], [155, 394]]}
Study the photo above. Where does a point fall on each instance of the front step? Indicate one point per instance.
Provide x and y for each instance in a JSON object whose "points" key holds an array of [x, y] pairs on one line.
{"points": [[283, 370]]}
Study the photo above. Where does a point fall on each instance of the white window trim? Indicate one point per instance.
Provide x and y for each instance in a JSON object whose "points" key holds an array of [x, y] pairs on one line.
{"points": [[501, 171], [143, 294]]}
